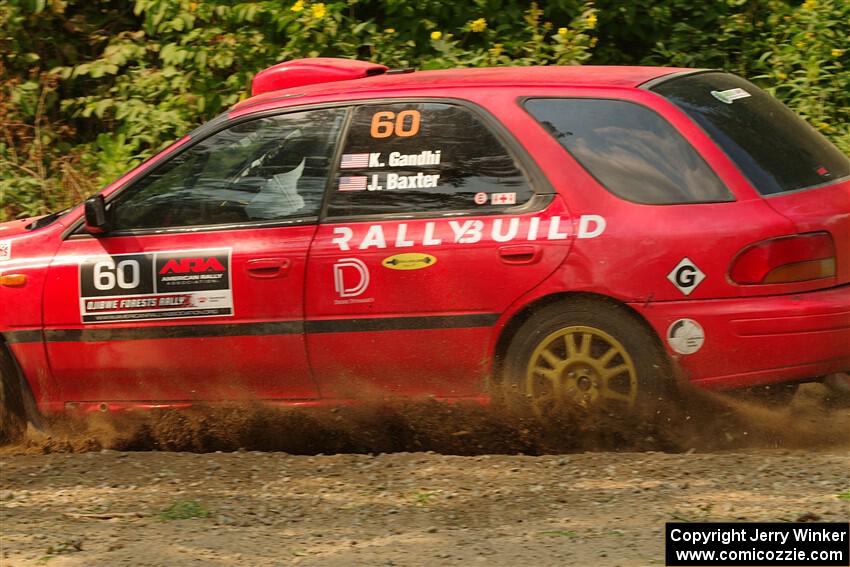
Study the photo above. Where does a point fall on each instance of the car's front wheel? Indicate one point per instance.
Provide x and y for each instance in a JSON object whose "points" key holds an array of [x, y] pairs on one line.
{"points": [[586, 352], [13, 421]]}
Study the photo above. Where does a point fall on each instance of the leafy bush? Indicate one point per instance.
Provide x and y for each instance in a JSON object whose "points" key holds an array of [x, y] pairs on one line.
{"points": [[799, 53], [40, 170], [89, 89]]}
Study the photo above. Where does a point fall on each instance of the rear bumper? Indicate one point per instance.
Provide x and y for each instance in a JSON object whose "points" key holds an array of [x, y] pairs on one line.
{"points": [[760, 340]]}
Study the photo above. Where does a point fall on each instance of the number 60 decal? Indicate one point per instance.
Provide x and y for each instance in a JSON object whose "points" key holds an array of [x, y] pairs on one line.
{"points": [[404, 124], [126, 274]]}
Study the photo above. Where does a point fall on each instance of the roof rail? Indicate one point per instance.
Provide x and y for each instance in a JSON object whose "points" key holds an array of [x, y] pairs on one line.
{"points": [[299, 72]]}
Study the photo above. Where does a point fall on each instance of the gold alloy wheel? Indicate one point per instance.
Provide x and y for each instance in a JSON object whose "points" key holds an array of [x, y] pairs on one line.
{"points": [[580, 365]]}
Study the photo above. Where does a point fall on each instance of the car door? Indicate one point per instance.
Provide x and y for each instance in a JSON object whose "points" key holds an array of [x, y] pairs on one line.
{"points": [[196, 292], [432, 230]]}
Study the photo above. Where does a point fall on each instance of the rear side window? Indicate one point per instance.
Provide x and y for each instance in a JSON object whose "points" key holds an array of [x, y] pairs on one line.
{"points": [[423, 157], [630, 149], [776, 149]]}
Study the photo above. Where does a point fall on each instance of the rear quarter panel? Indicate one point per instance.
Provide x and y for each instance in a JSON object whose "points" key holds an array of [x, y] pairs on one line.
{"points": [[642, 244], [822, 208]]}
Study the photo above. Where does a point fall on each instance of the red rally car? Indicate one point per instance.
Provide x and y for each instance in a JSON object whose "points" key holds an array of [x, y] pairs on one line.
{"points": [[577, 233]]}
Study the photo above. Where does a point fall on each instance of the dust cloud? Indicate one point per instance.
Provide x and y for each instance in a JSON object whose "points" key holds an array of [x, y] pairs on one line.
{"points": [[700, 421]]}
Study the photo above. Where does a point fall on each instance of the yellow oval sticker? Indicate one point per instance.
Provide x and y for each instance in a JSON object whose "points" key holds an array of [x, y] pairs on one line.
{"points": [[409, 261]]}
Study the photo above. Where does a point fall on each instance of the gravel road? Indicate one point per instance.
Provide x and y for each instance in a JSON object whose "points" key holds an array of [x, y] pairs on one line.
{"points": [[265, 508]]}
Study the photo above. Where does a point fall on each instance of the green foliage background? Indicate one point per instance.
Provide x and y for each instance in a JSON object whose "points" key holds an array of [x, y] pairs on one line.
{"points": [[90, 88]]}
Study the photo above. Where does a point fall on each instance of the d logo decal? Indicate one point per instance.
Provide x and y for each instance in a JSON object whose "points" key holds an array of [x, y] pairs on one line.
{"points": [[352, 267]]}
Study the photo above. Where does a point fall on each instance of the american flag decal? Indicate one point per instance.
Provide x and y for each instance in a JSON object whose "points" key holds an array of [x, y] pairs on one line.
{"points": [[357, 183], [354, 161]]}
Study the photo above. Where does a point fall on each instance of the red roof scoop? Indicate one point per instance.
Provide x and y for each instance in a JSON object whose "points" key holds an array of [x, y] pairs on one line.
{"points": [[301, 72]]}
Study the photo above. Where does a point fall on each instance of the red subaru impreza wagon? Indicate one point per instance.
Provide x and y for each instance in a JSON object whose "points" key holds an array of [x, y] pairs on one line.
{"points": [[580, 234]]}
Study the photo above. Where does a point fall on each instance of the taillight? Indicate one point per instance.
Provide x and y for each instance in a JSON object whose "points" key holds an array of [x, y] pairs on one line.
{"points": [[786, 259]]}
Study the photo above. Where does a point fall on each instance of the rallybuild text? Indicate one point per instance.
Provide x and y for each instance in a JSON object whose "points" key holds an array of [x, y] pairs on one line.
{"points": [[762, 544]]}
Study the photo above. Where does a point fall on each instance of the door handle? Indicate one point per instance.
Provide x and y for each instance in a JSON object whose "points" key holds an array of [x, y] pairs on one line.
{"points": [[268, 267], [520, 254]]}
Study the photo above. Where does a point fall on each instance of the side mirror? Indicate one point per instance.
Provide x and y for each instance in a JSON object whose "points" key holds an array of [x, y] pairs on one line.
{"points": [[95, 215]]}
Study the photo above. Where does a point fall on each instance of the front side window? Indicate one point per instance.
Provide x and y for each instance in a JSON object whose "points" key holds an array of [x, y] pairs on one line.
{"points": [[266, 169], [423, 157], [776, 149], [631, 150]]}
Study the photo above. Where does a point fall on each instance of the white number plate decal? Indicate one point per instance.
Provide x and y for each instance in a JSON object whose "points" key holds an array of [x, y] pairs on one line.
{"points": [[160, 285]]}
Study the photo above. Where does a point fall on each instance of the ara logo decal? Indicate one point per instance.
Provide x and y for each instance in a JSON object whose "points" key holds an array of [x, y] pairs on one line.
{"points": [[351, 277], [685, 336], [192, 270], [686, 276], [5, 249], [409, 261], [191, 265]]}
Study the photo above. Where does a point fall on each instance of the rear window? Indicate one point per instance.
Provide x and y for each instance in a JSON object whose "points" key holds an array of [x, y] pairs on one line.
{"points": [[776, 149], [631, 150]]}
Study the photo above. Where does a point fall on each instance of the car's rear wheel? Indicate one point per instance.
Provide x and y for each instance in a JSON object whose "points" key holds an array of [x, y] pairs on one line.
{"points": [[589, 353], [13, 421]]}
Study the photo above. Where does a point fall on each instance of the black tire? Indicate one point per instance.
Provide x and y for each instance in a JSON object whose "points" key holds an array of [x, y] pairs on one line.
{"points": [[13, 420], [644, 382], [837, 390]]}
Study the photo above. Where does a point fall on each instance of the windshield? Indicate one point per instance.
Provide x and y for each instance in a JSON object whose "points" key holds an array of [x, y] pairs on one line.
{"points": [[776, 149]]}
